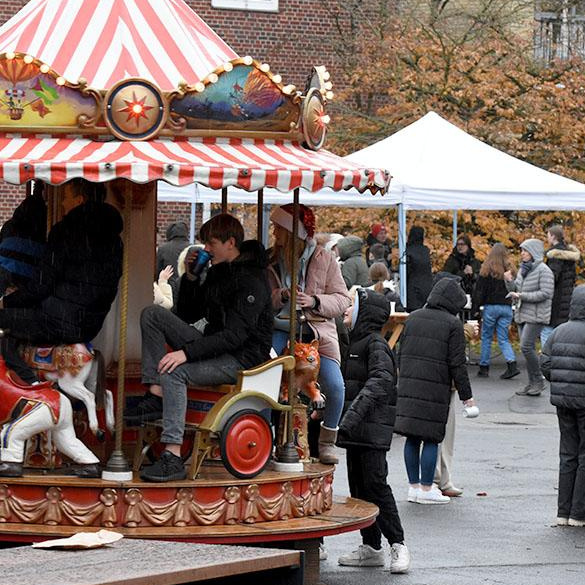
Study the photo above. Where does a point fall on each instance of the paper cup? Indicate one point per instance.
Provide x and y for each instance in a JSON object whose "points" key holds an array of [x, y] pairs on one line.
{"points": [[471, 412], [392, 307]]}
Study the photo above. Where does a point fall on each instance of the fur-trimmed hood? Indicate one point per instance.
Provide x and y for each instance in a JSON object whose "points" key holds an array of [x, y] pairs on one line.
{"points": [[571, 254]]}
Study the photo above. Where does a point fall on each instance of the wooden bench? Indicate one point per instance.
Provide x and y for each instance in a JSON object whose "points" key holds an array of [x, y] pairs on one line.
{"points": [[217, 416], [136, 562]]}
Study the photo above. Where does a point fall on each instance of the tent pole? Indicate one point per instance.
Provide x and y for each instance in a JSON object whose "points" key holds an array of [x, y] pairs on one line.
{"points": [[265, 225], [192, 226], [402, 251], [455, 220]]}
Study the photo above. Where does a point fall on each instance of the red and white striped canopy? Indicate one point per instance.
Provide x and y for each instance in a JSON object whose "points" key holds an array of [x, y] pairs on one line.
{"points": [[106, 41], [215, 162]]}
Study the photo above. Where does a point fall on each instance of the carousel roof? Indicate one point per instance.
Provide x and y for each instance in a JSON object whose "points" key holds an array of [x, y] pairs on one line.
{"points": [[105, 41], [215, 162]]}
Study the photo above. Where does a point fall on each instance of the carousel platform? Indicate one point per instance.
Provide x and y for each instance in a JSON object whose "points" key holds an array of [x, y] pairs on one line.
{"points": [[285, 510]]}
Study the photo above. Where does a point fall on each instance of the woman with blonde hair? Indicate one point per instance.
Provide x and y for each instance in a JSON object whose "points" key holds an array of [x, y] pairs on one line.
{"points": [[381, 283], [321, 297], [491, 294]]}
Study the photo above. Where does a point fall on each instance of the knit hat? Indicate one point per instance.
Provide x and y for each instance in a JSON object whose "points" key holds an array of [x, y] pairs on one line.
{"points": [[377, 228], [535, 248], [283, 216]]}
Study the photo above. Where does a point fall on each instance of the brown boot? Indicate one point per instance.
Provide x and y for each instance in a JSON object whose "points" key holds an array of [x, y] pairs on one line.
{"points": [[327, 438]]}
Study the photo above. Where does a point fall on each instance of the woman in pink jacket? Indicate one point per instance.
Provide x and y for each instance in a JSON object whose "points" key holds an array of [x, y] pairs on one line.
{"points": [[322, 296]]}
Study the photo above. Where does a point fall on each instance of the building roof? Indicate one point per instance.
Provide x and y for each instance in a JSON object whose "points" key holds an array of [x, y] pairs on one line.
{"points": [[105, 41]]}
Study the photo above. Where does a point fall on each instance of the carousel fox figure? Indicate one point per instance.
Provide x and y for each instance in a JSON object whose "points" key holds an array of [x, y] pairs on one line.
{"points": [[307, 364]]}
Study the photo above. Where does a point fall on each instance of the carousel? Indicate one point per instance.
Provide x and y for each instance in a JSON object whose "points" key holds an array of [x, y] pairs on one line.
{"points": [[128, 96]]}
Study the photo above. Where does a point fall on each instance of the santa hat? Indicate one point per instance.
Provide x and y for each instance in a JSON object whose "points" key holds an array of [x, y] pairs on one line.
{"points": [[283, 216]]}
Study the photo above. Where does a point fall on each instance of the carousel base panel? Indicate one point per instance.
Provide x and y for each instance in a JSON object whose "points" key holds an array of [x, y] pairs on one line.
{"points": [[214, 506]]}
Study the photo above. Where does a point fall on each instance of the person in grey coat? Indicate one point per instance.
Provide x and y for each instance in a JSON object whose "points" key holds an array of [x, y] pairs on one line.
{"points": [[532, 291], [354, 268], [177, 235], [563, 363]]}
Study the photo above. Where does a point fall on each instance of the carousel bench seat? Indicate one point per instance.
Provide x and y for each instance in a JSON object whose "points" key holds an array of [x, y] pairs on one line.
{"points": [[212, 411]]}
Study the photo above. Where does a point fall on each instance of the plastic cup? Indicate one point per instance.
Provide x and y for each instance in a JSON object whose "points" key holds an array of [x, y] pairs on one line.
{"points": [[471, 412], [392, 307]]}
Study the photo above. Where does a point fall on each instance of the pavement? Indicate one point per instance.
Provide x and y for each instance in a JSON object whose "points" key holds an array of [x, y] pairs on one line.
{"points": [[505, 537]]}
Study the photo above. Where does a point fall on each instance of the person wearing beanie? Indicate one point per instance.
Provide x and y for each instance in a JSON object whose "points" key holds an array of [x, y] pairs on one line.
{"points": [[322, 296], [532, 290], [354, 268], [379, 235]]}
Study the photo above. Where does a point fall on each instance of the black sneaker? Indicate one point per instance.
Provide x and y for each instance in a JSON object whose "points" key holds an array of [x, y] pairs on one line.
{"points": [[149, 408], [168, 468]]}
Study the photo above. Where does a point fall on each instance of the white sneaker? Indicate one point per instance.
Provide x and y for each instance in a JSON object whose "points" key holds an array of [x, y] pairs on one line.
{"points": [[562, 521], [412, 493], [323, 554], [399, 558], [433, 496], [363, 556], [573, 522]]}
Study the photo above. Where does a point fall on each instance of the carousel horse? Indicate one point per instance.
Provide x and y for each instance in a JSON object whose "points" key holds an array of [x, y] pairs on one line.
{"points": [[79, 371], [307, 364], [28, 410]]}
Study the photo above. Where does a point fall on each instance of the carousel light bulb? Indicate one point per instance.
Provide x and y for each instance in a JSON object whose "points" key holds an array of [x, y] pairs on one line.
{"points": [[199, 86], [60, 81], [213, 78], [329, 95], [45, 68], [277, 79], [248, 60], [329, 85], [265, 67], [28, 59], [10, 56], [228, 66], [137, 109], [288, 89], [326, 119], [326, 76]]}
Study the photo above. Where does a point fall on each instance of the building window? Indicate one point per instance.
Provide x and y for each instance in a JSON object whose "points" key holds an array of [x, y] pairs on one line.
{"points": [[560, 29], [260, 5]]}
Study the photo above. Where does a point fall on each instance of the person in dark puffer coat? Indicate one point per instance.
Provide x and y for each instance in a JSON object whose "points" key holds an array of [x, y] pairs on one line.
{"points": [[419, 275], [77, 281], [561, 258], [563, 364], [366, 428], [432, 359], [463, 263]]}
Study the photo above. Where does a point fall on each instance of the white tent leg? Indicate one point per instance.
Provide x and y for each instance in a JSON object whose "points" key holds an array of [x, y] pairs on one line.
{"points": [[402, 251], [455, 220]]}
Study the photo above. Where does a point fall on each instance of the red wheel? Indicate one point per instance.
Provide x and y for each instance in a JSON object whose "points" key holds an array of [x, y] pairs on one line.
{"points": [[246, 444]]}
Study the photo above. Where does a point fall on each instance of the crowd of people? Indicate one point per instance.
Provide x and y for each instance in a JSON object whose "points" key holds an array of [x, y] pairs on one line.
{"points": [[225, 305]]}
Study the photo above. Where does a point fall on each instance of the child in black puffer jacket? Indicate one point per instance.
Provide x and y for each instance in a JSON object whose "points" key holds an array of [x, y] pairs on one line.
{"points": [[366, 428]]}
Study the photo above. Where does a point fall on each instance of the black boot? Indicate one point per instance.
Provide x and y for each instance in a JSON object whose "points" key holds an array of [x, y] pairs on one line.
{"points": [[511, 371], [484, 372], [89, 470]]}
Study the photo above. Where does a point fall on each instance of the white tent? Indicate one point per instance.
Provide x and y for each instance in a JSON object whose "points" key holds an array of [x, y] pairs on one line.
{"points": [[436, 165]]}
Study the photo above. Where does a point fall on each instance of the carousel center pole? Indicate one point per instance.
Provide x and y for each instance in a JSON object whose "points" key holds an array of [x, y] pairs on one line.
{"points": [[288, 456], [117, 468]]}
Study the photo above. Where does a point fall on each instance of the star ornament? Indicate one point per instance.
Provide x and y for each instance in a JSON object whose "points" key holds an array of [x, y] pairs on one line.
{"points": [[136, 109]]}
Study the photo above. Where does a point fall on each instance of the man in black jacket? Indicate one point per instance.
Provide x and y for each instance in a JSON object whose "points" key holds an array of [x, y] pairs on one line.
{"points": [[77, 279], [233, 309], [561, 258], [562, 362]]}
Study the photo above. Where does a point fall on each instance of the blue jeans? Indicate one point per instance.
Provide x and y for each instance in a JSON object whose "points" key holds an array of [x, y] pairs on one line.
{"points": [[498, 317], [330, 380], [545, 334], [420, 468]]}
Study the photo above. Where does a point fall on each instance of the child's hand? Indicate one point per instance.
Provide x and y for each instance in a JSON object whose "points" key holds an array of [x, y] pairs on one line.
{"points": [[165, 274]]}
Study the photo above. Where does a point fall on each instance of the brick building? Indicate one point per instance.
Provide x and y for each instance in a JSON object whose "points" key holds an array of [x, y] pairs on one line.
{"points": [[290, 35]]}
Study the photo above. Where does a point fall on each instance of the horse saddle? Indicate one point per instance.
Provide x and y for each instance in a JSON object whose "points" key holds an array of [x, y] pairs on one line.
{"points": [[59, 358]]}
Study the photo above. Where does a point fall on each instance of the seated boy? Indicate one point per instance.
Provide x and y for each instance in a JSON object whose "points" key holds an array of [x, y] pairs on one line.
{"points": [[234, 304]]}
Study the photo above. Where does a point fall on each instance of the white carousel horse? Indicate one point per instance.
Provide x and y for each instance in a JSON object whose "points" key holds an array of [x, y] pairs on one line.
{"points": [[79, 371]]}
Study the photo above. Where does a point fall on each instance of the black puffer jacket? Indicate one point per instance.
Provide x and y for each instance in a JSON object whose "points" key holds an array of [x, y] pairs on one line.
{"points": [[370, 378], [431, 360], [562, 259], [235, 299], [456, 263], [79, 273], [563, 357]]}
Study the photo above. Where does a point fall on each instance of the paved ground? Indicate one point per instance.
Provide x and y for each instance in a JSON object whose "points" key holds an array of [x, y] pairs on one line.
{"points": [[506, 537]]}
